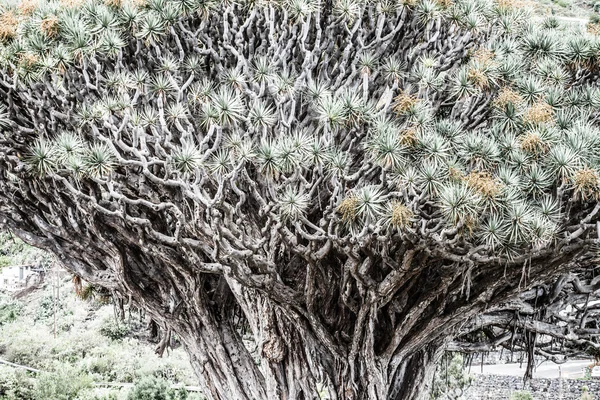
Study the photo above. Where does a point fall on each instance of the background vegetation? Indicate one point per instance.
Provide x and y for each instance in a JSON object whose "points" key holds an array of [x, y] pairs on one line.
{"points": [[91, 346]]}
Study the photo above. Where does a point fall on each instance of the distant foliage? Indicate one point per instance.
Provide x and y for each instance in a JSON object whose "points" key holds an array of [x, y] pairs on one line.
{"points": [[152, 388], [451, 378], [114, 329], [585, 394], [9, 310], [79, 355], [63, 384], [13, 251], [46, 306], [15, 384], [521, 395]]}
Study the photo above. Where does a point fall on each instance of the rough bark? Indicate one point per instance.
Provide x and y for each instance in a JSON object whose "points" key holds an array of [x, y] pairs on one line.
{"points": [[387, 350]]}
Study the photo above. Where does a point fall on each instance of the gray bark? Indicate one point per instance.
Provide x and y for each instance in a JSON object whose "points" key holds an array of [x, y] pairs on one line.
{"points": [[206, 250]]}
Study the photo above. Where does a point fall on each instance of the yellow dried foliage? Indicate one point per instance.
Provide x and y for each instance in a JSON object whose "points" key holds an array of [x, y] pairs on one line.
{"points": [[71, 3], [483, 183], [532, 142], [512, 4], [8, 25], [403, 102], [114, 3], [507, 95], [408, 137], [50, 26], [27, 60], [586, 183], [445, 3], [539, 113], [401, 215], [348, 208], [27, 7], [593, 28], [455, 174], [483, 56], [478, 77]]}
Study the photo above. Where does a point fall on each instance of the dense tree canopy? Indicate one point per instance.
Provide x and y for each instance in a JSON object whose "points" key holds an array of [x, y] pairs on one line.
{"points": [[316, 196]]}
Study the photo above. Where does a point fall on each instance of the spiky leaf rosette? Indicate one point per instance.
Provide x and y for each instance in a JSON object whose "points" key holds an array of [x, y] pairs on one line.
{"points": [[386, 159]]}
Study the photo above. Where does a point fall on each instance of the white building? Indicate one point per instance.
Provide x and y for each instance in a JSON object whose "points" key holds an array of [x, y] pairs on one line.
{"points": [[15, 277]]}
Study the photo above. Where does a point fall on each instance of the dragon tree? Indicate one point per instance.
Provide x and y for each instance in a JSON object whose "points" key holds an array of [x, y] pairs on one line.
{"points": [[316, 196]]}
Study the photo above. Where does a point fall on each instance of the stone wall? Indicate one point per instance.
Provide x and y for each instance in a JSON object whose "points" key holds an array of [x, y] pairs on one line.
{"points": [[496, 387]]}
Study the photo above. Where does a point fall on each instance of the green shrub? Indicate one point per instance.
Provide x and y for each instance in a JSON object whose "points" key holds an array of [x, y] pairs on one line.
{"points": [[110, 396], [585, 394], [114, 330], [15, 384], [521, 395], [63, 384], [153, 388], [451, 379], [103, 394], [9, 310], [14, 251], [45, 309], [19, 348], [5, 261]]}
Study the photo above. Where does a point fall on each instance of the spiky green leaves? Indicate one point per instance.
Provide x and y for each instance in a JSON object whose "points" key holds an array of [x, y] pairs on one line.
{"points": [[41, 158], [267, 159], [228, 106], [330, 112], [68, 146], [485, 137], [349, 10], [99, 160], [293, 204], [289, 154], [262, 115], [300, 9], [152, 27], [111, 43], [161, 84], [68, 152], [365, 205], [187, 158], [386, 149], [460, 204]]}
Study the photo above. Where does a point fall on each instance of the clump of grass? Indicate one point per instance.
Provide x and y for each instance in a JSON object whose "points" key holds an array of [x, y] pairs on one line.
{"points": [[348, 208], [404, 102], [533, 143], [539, 113], [586, 184], [507, 96], [8, 25], [402, 216], [483, 183]]}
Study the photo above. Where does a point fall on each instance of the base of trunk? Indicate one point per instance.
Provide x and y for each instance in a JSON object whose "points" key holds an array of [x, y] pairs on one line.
{"points": [[226, 371]]}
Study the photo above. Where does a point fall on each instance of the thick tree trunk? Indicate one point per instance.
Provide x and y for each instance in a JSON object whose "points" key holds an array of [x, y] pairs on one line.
{"points": [[229, 371], [416, 375]]}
